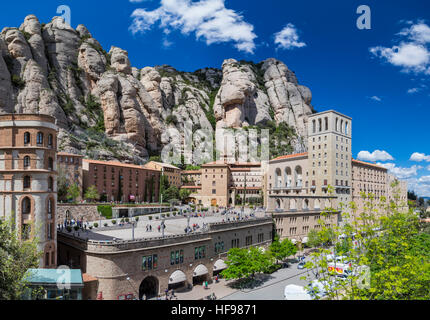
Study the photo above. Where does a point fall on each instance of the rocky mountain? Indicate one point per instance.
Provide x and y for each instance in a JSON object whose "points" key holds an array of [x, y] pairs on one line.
{"points": [[108, 109]]}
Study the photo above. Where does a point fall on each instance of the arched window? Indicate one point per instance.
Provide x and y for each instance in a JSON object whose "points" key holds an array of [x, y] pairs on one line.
{"points": [[278, 182], [50, 140], [298, 176], [51, 164], [293, 204], [319, 125], [26, 162], [50, 206], [306, 204], [27, 138], [314, 126], [326, 124], [289, 177], [50, 184], [337, 124], [26, 206], [346, 128], [317, 204], [27, 182], [39, 138]]}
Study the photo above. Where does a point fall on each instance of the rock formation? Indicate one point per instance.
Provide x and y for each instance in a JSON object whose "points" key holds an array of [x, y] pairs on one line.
{"points": [[108, 109]]}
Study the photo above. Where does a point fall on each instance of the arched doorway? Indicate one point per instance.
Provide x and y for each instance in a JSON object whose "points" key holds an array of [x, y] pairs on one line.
{"points": [[177, 280], [200, 275], [149, 288]]}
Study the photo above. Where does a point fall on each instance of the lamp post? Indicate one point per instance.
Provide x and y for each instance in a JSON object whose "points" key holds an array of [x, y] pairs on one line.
{"points": [[163, 226], [132, 232]]}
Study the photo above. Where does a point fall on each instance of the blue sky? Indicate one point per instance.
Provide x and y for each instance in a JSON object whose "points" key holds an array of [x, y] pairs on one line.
{"points": [[379, 77]]}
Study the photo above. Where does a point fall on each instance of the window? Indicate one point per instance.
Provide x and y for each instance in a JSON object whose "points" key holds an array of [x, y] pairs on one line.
{"points": [[50, 164], [27, 138], [39, 138], [26, 162], [260, 237], [27, 182], [200, 253], [26, 206], [150, 262], [219, 247], [50, 140], [248, 240], [51, 184]]}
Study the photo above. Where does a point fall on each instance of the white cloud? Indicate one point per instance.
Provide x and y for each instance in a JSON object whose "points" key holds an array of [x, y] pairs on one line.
{"points": [[419, 32], [419, 157], [288, 38], [420, 186], [399, 172], [208, 19], [411, 53], [413, 90], [376, 98], [376, 155]]}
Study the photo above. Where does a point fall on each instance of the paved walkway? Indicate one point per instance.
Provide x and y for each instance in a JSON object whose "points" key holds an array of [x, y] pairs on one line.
{"points": [[220, 289]]}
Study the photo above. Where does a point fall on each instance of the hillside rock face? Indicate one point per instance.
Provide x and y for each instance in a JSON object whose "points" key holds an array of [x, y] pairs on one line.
{"points": [[108, 109]]}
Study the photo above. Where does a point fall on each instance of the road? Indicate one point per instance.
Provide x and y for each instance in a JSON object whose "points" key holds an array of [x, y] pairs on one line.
{"points": [[273, 289]]}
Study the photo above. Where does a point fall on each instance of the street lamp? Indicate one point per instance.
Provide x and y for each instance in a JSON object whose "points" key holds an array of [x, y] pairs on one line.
{"points": [[163, 226]]}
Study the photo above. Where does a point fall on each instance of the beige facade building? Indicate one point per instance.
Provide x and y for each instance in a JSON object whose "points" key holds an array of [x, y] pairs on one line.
{"points": [[225, 184], [172, 173], [28, 179], [150, 266], [298, 185]]}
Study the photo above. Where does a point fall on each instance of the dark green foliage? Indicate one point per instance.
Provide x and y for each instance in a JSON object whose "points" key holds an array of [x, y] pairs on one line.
{"points": [[171, 119], [18, 82], [105, 211]]}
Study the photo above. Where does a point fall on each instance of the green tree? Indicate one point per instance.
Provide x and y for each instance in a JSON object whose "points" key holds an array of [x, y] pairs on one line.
{"points": [[282, 250], [92, 194], [73, 192], [184, 194], [16, 257], [62, 185], [172, 193], [388, 250], [314, 239]]}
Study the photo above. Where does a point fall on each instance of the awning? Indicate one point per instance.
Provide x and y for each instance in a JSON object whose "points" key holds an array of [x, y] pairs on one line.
{"points": [[305, 240], [294, 241], [220, 265], [201, 270], [177, 277]]}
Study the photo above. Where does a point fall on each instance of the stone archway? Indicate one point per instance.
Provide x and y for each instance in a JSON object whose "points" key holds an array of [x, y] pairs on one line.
{"points": [[149, 288]]}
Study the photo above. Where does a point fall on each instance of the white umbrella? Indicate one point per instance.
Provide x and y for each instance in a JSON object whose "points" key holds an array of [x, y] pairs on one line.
{"points": [[293, 292]]}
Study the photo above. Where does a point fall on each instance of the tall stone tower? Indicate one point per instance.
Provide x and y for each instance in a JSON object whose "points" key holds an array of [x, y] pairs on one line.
{"points": [[329, 150], [28, 179]]}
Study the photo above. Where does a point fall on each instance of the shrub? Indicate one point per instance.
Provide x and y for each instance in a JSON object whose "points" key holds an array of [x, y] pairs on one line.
{"points": [[96, 225], [157, 218], [18, 82], [113, 222], [175, 213], [163, 215], [91, 227], [76, 228], [136, 219], [122, 220], [105, 224], [105, 211], [168, 215], [150, 218], [69, 229], [127, 220]]}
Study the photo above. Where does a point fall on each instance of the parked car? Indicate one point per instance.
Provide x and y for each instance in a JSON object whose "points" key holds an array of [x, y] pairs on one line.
{"points": [[301, 265]]}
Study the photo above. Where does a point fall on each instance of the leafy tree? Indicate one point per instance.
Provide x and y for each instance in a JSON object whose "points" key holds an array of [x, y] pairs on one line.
{"points": [[92, 194], [282, 250], [184, 194], [389, 252], [245, 263], [314, 239], [73, 192], [155, 158], [171, 193], [16, 257]]}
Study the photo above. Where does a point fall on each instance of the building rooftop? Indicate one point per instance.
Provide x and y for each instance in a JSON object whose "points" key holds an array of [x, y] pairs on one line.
{"points": [[368, 164], [118, 164], [54, 276], [69, 154], [165, 165], [291, 156]]}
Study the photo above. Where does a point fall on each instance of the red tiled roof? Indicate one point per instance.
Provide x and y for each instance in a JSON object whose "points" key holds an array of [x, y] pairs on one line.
{"points": [[290, 156], [88, 278], [69, 154], [118, 164], [368, 164]]}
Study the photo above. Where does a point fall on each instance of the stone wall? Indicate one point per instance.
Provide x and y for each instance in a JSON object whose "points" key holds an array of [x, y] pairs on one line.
{"points": [[77, 212]]}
